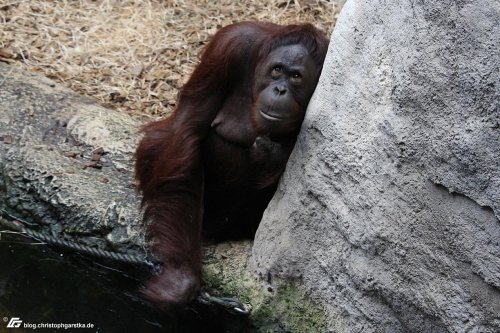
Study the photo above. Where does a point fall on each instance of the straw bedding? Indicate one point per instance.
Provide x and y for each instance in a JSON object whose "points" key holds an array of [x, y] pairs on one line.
{"points": [[132, 55]]}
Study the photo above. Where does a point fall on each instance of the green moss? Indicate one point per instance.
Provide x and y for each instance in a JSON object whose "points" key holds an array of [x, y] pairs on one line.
{"points": [[211, 280], [230, 282], [290, 311], [287, 309]]}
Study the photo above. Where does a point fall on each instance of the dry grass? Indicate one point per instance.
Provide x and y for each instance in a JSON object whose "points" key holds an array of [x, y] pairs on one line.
{"points": [[131, 55]]}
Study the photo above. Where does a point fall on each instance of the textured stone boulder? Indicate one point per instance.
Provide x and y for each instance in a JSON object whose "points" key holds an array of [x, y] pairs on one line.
{"points": [[388, 212], [66, 163]]}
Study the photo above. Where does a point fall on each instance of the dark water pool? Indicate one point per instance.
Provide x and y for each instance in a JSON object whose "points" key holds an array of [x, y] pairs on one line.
{"points": [[40, 285]]}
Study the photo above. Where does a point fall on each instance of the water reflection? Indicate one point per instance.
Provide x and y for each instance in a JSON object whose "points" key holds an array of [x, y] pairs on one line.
{"points": [[40, 285]]}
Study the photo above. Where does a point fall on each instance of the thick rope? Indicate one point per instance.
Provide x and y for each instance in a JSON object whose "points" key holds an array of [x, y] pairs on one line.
{"points": [[122, 257], [229, 304]]}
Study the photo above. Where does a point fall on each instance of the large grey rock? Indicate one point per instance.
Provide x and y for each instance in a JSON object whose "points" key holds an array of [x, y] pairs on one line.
{"points": [[49, 134], [389, 209]]}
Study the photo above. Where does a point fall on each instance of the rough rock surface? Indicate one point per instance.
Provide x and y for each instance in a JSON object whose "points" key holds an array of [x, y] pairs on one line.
{"points": [[48, 138], [388, 212]]}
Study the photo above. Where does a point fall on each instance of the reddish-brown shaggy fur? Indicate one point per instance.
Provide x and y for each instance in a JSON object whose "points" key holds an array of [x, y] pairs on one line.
{"points": [[189, 174]]}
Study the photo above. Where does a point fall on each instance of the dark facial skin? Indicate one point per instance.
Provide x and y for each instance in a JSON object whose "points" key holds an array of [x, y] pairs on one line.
{"points": [[285, 82]]}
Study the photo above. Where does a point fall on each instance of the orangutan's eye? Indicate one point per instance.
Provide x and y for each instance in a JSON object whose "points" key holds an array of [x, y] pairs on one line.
{"points": [[276, 72]]}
